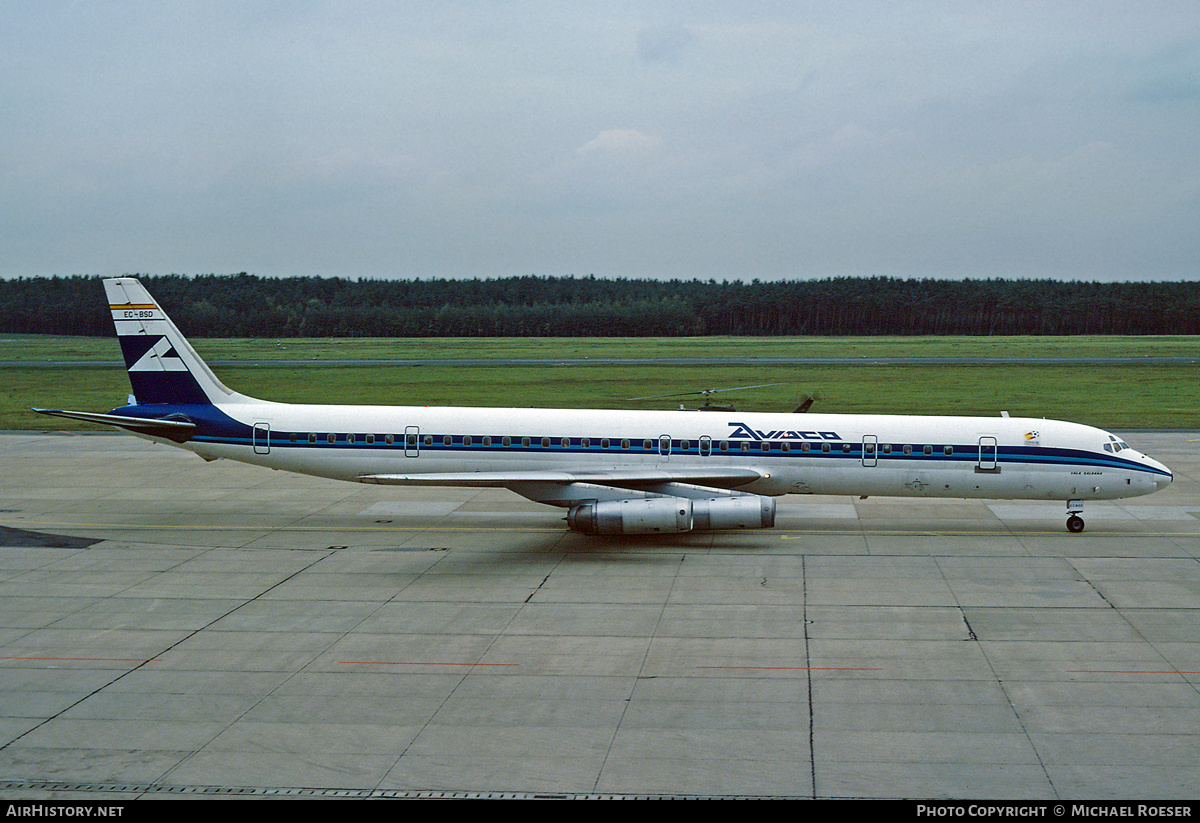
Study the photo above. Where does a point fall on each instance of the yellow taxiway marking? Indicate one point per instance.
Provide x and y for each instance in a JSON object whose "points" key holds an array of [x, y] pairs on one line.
{"points": [[226, 528], [88, 659]]}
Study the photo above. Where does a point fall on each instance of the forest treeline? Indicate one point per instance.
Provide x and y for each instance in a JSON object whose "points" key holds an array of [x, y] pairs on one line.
{"points": [[245, 305]]}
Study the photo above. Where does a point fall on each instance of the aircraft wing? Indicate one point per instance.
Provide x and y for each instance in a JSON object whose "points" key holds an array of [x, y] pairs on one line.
{"points": [[720, 477]]}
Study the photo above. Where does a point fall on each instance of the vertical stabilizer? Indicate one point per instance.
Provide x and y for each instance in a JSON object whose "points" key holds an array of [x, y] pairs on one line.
{"points": [[163, 367]]}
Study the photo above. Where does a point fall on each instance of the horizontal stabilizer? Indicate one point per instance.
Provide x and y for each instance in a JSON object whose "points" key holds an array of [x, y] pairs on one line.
{"points": [[178, 430], [719, 477]]}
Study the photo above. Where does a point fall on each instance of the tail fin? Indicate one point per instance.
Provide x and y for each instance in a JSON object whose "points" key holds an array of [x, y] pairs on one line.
{"points": [[163, 366]]}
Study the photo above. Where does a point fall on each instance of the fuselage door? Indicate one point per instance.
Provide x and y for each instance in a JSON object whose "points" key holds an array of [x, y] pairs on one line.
{"points": [[987, 454], [870, 450], [412, 441], [261, 438], [664, 447]]}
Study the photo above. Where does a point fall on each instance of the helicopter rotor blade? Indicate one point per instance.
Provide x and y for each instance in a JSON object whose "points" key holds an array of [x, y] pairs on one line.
{"points": [[704, 392]]}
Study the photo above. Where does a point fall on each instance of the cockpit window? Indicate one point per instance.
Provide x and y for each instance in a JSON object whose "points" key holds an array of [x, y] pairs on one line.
{"points": [[1108, 447]]}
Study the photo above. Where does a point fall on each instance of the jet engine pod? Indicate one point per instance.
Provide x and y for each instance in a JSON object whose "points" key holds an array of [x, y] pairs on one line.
{"points": [[650, 515], [750, 511]]}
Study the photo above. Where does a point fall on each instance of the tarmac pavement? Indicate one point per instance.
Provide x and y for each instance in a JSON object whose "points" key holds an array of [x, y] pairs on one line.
{"points": [[175, 627]]}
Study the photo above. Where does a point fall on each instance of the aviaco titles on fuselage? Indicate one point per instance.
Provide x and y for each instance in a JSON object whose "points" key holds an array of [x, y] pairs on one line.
{"points": [[615, 472]]}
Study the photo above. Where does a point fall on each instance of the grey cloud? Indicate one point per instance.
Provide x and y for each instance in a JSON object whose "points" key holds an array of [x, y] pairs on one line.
{"points": [[664, 43]]}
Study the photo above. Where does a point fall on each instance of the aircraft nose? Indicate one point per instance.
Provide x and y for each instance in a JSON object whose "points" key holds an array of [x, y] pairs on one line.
{"points": [[1161, 481]]}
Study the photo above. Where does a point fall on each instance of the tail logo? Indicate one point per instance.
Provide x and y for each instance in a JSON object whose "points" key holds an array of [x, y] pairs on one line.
{"points": [[160, 357]]}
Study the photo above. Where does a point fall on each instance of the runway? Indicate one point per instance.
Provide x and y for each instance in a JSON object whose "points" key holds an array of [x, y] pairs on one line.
{"points": [[170, 627]]}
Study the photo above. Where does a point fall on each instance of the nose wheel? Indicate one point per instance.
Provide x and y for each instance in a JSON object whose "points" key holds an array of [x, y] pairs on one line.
{"points": [[1074, 521]]}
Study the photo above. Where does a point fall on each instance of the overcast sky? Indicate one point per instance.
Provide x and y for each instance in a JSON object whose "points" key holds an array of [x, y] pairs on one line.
{"points": [[484, 138]]}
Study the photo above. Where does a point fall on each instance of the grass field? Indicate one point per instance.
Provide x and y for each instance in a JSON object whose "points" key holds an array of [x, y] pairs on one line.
{"points": [[1126, 396], [42, 348]]}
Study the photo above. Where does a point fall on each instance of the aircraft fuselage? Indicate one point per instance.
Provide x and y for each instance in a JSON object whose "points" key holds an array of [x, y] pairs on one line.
{"points": [[875, 455]]}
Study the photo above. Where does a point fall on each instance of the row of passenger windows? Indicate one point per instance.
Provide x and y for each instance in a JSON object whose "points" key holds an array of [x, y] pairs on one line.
{"points": [[887, 448], [665, 444]]}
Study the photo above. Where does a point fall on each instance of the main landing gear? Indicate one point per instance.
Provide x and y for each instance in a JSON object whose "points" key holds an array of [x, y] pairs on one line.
{"points": [[1074, 521]]}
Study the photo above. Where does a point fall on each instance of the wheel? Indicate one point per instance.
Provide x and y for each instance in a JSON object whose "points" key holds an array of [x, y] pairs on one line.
{"points": [[1075, 523]]}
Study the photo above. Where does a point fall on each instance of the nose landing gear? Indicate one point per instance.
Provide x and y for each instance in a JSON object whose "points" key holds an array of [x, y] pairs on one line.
{"points": [[1074, 521]]}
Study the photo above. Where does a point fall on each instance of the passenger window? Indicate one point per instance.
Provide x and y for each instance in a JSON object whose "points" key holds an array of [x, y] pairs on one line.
{"points": [[908, 449], [525, 441], [947, 450], [506, 441], [466, 441], [928, 449]]}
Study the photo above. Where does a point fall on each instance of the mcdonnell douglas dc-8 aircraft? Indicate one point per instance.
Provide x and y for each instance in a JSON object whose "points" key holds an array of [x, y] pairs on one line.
{"points": [[615, 472]]}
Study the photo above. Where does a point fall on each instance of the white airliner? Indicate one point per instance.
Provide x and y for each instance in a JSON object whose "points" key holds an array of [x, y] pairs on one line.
{"points": [[616, 472]]}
